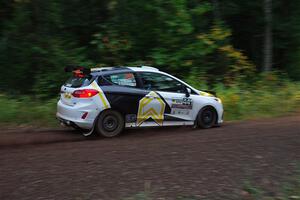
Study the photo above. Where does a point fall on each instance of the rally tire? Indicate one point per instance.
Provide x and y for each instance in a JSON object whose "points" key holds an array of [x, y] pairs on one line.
{"points": [[207, 117], [110, 123]]}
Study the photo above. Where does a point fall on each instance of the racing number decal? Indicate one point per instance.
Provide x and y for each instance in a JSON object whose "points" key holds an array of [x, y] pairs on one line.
{"points": [[185, 103], [151, 106]]}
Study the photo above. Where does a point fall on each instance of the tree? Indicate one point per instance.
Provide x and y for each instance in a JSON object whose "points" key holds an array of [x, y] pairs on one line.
{"points": [[268, 41], [204, 39]]}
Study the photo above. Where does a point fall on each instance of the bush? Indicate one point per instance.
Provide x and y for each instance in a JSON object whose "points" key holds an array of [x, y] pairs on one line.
{"points": [[27, 111], [267, 96]]}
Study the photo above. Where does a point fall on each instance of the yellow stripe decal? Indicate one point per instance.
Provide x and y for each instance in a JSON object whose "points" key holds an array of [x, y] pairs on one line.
{"points": [[101, 96], [143, 115]]}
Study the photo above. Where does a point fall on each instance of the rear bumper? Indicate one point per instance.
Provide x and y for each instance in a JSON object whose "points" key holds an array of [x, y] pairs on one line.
{"points": [[71, 115]]}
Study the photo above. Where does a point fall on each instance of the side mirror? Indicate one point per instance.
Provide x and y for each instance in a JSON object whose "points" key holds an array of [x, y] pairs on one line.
{"points": [[188, 92]]}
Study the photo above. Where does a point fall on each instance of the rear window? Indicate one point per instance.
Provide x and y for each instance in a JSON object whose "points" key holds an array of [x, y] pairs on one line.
{"points": [[76, 82]]}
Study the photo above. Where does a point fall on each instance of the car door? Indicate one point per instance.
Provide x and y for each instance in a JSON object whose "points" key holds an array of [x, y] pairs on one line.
{"points": [[123, 93], [178, 107]]}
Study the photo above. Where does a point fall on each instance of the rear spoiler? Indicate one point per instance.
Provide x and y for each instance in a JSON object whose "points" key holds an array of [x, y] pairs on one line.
{"points": [[78, 71], [72, 68]]}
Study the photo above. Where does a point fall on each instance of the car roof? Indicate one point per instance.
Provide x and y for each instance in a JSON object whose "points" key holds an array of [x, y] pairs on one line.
{"points": [[120, 69]]}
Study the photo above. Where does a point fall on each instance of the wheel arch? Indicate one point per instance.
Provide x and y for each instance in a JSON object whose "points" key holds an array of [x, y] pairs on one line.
{"points": [[209, 106], [104, 110]]}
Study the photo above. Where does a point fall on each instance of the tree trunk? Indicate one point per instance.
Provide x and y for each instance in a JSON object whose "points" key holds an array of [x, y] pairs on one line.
{"points": [[268, 44], [216, 10]]}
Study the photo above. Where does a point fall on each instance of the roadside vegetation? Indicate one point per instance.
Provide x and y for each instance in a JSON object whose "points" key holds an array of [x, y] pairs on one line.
{"points": [[289, 190], [27, 111], [268, 96]]}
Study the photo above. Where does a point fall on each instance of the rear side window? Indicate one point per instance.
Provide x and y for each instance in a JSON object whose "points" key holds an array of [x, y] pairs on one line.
{"points": [[76, 82], [122, 79]]}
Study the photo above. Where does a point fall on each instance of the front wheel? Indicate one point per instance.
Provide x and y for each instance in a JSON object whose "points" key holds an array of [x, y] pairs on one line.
{"points": [[207, 117], [110, 123]]}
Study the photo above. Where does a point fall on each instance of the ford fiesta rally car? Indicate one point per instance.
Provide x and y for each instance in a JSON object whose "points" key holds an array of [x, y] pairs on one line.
{"points": [[107, 100]]}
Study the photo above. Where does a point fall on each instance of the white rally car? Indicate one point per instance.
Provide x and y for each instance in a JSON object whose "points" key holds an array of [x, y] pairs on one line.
{"points": [[106, 100]]}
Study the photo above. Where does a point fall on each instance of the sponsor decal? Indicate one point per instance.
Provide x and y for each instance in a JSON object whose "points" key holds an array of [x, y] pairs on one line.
{"points": [[180, 112], [151, 106], [181, 106], [185, 103]]}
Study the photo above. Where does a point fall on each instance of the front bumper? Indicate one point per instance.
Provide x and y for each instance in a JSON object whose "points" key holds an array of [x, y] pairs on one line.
{"points": [[220, 111]]}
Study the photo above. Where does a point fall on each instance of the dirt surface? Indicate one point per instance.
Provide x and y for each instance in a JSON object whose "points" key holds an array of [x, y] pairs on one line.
{"points": [[167, 162]]}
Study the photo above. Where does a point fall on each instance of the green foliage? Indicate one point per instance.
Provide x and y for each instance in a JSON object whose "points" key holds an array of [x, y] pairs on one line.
{"points": [[27, 111], [260, 99], [289, 190], [232, 66], [194, 40], [293, 68], [111, 48], [246, 20], [254, 192], [32, 51], [268, 96]]}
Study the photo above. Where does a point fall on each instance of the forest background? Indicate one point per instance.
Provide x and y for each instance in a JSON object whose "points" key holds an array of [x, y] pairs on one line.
{"points": [[247, 51]]}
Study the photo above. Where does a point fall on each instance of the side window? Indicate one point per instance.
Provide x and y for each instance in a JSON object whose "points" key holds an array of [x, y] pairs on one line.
{"points": [[122, 79], [160, 82]]}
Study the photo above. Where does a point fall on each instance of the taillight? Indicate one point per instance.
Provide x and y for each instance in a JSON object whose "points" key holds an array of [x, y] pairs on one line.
{"points": [[87, 93]]}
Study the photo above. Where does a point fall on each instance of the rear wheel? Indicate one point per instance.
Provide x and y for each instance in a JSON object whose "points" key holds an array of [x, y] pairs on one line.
{"points": [[110, 123], [207, 117]]}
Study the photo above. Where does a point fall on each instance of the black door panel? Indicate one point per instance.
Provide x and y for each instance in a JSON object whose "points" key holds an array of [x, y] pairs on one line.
{"points": [[124, 99]]}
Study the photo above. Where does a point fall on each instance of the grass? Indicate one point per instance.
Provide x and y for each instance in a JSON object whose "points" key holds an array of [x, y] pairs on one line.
{"points": [[27, 111], [289, 190], [261, 101], [267, 96], [264, 98]]}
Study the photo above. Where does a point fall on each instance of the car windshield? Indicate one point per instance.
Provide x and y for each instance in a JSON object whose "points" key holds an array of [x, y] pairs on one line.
{"points": [[76, 82]]}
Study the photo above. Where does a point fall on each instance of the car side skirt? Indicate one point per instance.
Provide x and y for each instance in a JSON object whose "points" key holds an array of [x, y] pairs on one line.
{"points": [[165, 123]]}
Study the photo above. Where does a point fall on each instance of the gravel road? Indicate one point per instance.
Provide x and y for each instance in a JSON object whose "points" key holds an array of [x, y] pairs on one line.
{"points": [[166, 162]]}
